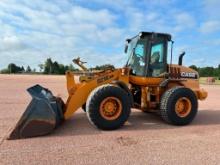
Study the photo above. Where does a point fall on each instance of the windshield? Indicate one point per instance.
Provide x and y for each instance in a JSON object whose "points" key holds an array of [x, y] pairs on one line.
{"points": [[131, 47], [136, 54]]}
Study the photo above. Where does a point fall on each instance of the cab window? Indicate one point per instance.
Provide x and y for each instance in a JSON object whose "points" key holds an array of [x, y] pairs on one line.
{"points": [[139, 50], [157, 63], [137, 61], [157, 53]]}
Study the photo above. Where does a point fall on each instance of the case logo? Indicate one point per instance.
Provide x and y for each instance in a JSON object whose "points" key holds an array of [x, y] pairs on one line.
{"points": [[188, 75]]}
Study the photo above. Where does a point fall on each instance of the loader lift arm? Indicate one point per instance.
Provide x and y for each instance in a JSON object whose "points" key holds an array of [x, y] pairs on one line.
{"points": [[80, 63], [79, 92]]}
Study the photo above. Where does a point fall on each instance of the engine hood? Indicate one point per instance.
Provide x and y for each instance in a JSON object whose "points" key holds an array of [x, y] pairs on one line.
{"points": [[182, 72]]}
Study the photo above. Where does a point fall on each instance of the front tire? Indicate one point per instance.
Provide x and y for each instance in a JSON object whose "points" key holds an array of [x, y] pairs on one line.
{"points": [[178, 106], [108, 107], [84, 107]]}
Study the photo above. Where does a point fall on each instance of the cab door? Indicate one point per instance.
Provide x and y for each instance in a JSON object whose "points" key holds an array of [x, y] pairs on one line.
{"points": [[158, 59]]}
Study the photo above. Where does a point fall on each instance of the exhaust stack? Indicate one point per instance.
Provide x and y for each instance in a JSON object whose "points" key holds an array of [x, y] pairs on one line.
{"points": [[181, 58]]}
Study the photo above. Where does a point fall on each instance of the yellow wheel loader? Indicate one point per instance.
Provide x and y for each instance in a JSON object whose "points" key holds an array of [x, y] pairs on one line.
{"points": [[147, 82]]}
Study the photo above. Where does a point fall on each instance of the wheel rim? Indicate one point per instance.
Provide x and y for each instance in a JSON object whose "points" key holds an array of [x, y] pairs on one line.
{"points": [[183, 107], [110, 108]]}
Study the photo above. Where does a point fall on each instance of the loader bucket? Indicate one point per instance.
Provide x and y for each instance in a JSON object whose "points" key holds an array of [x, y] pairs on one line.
{"points": [[43, 114]]}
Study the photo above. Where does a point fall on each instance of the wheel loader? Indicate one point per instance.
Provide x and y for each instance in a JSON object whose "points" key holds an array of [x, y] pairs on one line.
{"points": [[146, 82]]}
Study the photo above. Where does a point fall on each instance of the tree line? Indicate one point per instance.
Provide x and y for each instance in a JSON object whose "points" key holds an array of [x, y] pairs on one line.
{"points": [[208, 71], [13, 68], [53, 67], [49, 67]]}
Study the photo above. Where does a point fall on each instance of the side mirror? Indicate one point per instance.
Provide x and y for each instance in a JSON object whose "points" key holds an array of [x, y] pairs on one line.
{"points": [[126, 45], [126, 48]]}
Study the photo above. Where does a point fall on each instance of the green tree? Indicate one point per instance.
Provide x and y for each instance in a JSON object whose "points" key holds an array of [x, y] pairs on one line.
{"points": [[28, 69], [61, 69], [55, 68], [194, 67], [207, 71], [72, 68], [48, 66], [13, 68], [41, 66], [22, 69], [104, 67], [5, 71]]}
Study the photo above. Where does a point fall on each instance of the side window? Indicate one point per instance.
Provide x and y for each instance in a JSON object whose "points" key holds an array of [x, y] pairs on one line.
{"points": [[139, 50], [157, 53], [139, 53], [137, 62]]}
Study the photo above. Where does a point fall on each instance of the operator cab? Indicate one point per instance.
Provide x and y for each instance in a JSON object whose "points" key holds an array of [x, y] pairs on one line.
{"points": [[147, 54]]}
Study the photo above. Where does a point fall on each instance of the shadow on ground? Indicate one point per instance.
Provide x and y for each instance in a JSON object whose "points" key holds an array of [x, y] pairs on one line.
{"points": [[79, 124]]}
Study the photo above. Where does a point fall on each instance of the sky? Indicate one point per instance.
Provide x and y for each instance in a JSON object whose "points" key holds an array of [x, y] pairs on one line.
{"points": [[95, 30]]}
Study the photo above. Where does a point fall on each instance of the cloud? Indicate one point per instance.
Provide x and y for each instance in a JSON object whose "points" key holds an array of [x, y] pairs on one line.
{"points": [[210, 26], [32, 31], [210, 23], [198, 61], [55, 32], [102, 17], [211, 9], [11, 43], [183, 21]]}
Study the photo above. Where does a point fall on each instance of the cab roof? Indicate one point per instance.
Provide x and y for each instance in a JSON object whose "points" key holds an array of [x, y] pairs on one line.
{"points": [[144, 34], [165, 35]]}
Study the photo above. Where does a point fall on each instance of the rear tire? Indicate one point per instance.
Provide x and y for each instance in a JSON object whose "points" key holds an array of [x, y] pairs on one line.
{"points": [[178, 106], [108, 107]]}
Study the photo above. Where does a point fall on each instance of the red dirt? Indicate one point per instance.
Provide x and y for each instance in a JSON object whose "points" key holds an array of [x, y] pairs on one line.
{"points": [[145, 139]]}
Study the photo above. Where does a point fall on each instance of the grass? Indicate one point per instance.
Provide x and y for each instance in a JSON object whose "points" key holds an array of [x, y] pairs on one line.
{"points": [[202, 80]]}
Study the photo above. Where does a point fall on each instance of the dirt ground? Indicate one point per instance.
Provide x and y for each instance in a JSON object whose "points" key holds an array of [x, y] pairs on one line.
{"points": [[145, 139]]}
